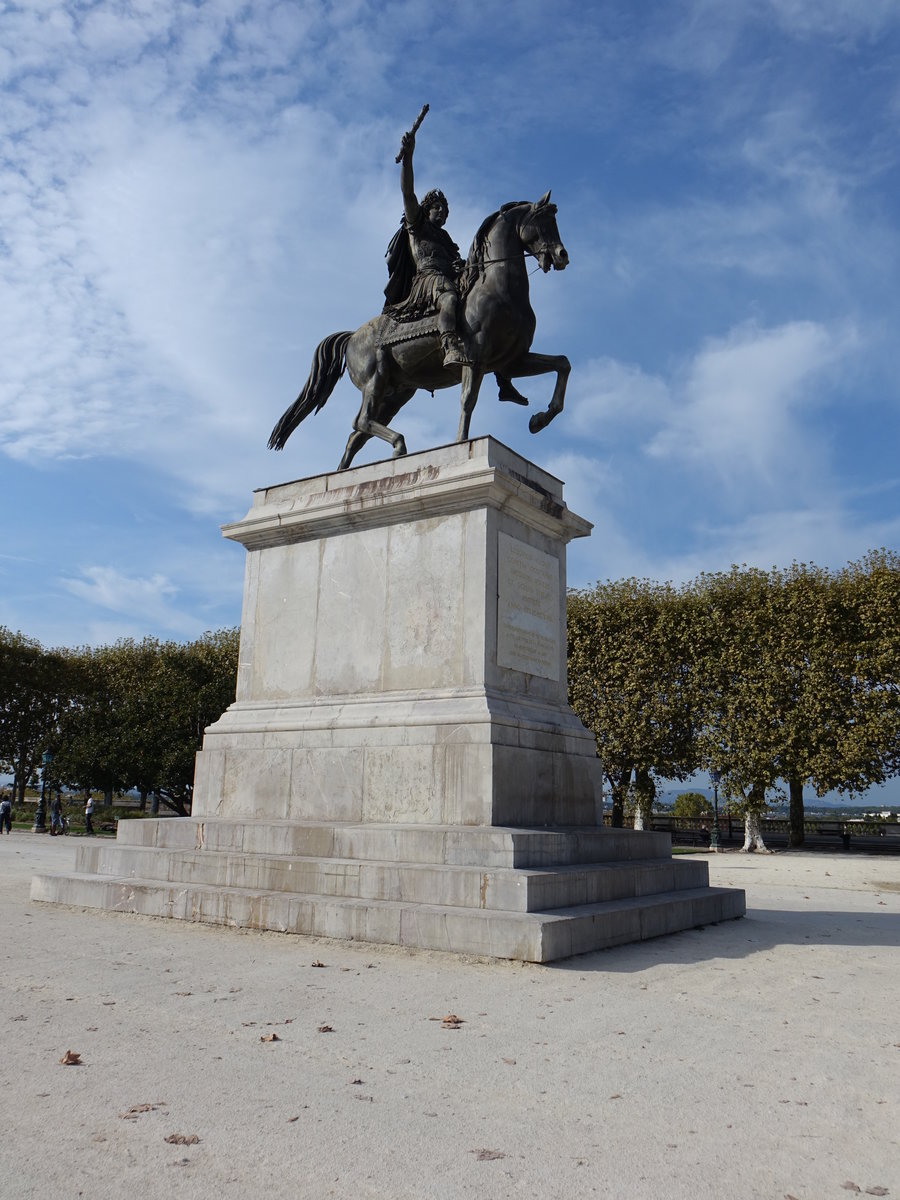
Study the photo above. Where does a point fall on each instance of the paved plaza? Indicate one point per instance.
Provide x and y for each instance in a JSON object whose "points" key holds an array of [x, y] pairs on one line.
{"points": [[757, 1058]]}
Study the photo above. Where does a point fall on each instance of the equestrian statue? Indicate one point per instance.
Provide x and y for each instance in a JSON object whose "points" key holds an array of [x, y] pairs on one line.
{"points": [[444, 321]]}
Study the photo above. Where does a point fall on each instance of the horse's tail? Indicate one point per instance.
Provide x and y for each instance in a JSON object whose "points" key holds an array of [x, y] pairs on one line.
{"points": [[328, 365]]}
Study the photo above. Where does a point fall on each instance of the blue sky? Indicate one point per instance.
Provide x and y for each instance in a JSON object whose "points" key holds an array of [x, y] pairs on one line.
{"points": [[195, 193]]}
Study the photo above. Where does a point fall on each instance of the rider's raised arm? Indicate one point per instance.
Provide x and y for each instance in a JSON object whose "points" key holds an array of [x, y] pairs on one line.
{"points": [[407, 182]]}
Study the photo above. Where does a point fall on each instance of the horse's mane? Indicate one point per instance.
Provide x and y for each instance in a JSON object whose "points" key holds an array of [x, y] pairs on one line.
{"points": [[476, 254]]}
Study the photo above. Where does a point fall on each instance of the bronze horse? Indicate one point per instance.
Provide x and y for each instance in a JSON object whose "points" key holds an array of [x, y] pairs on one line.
{"points": [[496, 321]]}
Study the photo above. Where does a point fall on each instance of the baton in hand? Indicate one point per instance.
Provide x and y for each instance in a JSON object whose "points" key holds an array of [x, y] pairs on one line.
{"points": [[419, 119]]}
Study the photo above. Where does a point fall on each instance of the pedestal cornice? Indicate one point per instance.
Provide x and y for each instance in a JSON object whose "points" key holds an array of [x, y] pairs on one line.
{"points": [[459, 478]]}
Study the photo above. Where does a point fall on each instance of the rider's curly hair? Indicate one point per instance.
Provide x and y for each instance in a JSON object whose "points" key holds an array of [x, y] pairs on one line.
{"points": [[433, 197]]}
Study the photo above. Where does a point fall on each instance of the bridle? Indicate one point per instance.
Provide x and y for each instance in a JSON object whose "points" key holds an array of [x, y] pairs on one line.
{"points": [[543, 247]]}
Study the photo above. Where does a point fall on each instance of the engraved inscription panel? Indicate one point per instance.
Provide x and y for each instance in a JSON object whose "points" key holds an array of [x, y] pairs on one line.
{"points": [[527, 609]]}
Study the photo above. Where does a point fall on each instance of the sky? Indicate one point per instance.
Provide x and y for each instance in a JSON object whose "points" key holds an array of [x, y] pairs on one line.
{"points": [[195, 192]]}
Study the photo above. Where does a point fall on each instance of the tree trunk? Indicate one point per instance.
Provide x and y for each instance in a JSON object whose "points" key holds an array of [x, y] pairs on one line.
{"points": [[644, 795], [107, 797], [756, 803], [619, 788], [796, 835], [154, 804]]}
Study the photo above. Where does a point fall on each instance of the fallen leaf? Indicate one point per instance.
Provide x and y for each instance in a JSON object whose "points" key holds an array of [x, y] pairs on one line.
{"points": [[850, 1186], [291, 1120], [452, 1021], [325, 1029], [317, 963], [269, 1037], [356, 1081], [136, 1109], [71, 1059], [182, 1139], [488, 1155], [616, 1096], [876, 1191], [510, 1061]]}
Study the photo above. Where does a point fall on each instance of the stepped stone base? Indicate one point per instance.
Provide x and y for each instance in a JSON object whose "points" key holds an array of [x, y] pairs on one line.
{"points": [[529, 894], [401, 763]]}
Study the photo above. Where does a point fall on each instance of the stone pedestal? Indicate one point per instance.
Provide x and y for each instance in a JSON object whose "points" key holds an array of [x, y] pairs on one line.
{"points": [[403, 651], [400, 763]]}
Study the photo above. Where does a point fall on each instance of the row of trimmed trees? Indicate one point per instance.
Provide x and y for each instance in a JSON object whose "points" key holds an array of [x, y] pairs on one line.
{"points": [[124, 717], [776, 679], [782, 678]]}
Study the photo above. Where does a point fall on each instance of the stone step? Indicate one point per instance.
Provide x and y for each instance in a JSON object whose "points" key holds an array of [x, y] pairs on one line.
{"points": [[533, 937], [453, 845], [495, 888]]}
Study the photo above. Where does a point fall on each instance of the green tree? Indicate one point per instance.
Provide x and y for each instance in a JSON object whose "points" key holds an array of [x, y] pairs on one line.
{"points": [[736, 679], [33, 684], [630, 683], [865, 748], [93, 727], [139, 710], [192, 687], [691, 804]]}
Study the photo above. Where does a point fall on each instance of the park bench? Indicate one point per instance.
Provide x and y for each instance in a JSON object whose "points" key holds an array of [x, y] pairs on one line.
{"points": [[682, 834]]}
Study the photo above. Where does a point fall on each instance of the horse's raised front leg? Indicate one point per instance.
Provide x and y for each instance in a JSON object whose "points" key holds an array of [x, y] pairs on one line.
{"points": [[471, 385], [544, 364]]}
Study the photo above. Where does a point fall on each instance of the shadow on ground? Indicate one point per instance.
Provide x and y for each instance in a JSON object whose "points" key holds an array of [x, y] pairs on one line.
{"points": [[759, 931]]}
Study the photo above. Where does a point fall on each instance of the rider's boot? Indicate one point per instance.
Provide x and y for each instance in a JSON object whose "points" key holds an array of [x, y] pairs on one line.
{"points": [[508, 390], [454, 351]]}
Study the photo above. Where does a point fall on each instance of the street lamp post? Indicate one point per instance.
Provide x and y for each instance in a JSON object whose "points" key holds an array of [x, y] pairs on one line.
{"points": [[40, 816], [715, 776]]}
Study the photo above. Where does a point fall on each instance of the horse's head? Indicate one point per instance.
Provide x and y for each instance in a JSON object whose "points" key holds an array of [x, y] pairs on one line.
{"points": [[540, 236]]}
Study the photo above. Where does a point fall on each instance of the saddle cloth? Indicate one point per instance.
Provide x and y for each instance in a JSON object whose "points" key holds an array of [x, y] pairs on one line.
{"points": [[393, 331]]}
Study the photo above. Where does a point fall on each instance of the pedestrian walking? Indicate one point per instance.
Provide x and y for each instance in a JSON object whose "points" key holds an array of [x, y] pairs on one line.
{"points": [[56, 821], [88, 814], [6, 814]]}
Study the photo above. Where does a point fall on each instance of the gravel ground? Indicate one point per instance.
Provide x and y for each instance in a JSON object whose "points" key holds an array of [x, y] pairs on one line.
{"points": [[757, 1058]]}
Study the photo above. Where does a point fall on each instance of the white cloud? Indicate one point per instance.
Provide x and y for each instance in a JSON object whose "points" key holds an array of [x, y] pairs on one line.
{"points": [[741, 399], [605, 391], [150, 598], [835, 18]]}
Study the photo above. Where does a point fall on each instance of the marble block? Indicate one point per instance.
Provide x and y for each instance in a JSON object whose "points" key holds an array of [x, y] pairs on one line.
{"points": [[403, 650]]}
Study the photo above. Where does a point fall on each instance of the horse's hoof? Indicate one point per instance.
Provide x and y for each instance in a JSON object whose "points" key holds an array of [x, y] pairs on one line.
{"points": [[399, 450], [538, 422]]}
